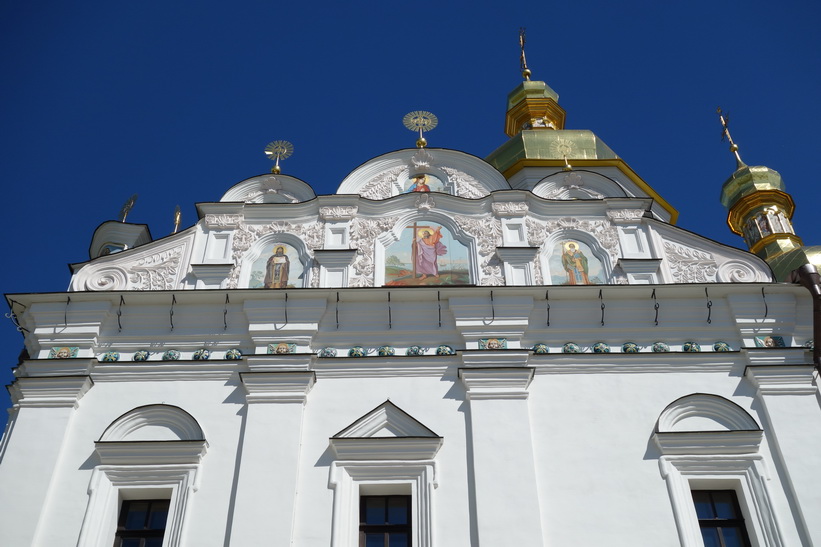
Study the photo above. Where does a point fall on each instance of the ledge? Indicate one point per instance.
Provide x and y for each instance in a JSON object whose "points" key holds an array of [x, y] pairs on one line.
{"points": [[150, 452]]}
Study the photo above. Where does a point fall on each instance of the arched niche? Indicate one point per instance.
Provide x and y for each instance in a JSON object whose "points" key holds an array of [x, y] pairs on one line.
{"points": [[270, 189], [154, 423], [704, 412], [573, 257], [455, 263], [578, 184], [392, 174], [263, 261]]}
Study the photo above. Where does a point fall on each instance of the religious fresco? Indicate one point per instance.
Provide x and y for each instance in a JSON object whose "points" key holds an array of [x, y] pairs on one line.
{"points": [[426, 254], [281, 347], [770, 342], [573, 263], [424, 183], [63, 352], [278, 267]]}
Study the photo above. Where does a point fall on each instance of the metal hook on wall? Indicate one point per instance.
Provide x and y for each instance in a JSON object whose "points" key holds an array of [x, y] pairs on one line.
{"points": [[766, 308], [439, 302], [65, 312], [225, 313], [492, 308], [709, 306], [547, 304], [171, 311], [656, 306], [337, 310], [13, 316], [120, 314], [286, 308], [390, 319], [602, 308]]}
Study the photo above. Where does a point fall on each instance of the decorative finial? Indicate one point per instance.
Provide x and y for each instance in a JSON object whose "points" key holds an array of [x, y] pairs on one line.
{"points": [[420, 120], [127, 206], [177, 219], [567, 166], [278, 150], [522, 60], [725, 123]]}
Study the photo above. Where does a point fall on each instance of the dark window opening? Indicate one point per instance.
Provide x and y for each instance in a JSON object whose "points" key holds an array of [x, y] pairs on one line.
{"points": [[720, 518], [385, 521], [142, 523]]}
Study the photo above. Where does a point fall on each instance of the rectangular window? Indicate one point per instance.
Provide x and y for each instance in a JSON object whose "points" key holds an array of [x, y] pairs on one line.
{"points": [[385, 521], [720, 518], [142, 523]]}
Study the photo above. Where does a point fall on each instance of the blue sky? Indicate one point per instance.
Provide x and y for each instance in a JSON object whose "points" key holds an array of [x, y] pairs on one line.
{"points": [[175, 101]]}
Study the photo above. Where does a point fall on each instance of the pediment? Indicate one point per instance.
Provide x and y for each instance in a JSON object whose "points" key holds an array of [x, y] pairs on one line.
{"points": [[386, 433], [579, 184]]}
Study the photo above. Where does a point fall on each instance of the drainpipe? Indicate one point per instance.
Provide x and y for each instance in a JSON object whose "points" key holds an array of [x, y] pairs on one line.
{"points": [[808, 276]]}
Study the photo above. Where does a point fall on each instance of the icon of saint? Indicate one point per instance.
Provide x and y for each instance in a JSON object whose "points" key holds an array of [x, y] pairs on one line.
{"points": [[575, 264], [420, 184], [276, 270], [427, 250]]}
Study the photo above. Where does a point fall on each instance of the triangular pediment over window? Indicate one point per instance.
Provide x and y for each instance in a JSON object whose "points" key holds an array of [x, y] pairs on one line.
{"points": [[386, 432]]}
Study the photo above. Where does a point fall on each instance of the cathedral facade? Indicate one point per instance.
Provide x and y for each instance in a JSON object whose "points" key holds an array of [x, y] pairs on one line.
{"points": [[448, 351]]}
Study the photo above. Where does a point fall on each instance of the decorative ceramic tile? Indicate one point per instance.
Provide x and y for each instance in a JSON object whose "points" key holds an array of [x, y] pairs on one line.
{"points": [[356, 351], [493, 343], [385, 351], [233, 354], [601, 347], [327, 352], [721, 346], [630, 347], [281, 348], [691, 347], [202, 354], [141, 355], [445, 350], [770, 342], [570, 347], [415, 350], [540, 349], [661, 347], [65, 352], [171, 355], [110, 357]]}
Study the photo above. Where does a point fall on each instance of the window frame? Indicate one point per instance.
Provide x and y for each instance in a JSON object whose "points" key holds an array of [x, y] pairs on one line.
{"points": [[365, 528], [718, 523], [140, 533]]}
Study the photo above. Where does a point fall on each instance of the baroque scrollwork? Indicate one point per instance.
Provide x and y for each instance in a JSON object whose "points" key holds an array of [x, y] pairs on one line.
{"points": [[736, 272], [380, 186], [510, 209], [223, 221], [363, 233], [625, 215], [157, 271], [488, 235], [312, 233], [340, 212], [690, 265], [465, 185]]}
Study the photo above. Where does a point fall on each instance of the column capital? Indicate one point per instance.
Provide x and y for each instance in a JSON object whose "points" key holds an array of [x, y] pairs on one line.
{"points": [[782, 379], [50, 391], [496, 382], [277, 387]]}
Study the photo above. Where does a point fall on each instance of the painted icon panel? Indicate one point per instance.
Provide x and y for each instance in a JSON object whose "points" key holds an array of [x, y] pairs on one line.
{"points": [[278, 267], [573, 263], [424, 182], [426, 254]]}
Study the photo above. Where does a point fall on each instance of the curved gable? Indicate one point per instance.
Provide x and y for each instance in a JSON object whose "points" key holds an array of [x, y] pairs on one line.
{"points": [[448, 171], [704, 412], [270, 189], [154, 423]]}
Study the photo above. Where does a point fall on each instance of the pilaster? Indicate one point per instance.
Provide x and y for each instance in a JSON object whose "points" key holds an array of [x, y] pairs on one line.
{"points": [[268, 468], [789, 396], [501, 444], [42, 416]]}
